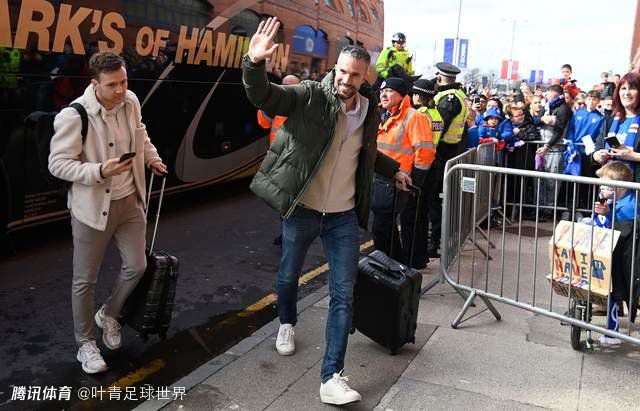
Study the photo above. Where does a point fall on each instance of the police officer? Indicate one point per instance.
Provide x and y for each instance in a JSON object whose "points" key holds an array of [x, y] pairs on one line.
{"points": [[405, 135], [450, 102], [424, 92], [395, 59]]}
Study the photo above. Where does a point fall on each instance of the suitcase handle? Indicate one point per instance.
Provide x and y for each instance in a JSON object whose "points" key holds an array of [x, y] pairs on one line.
{"points": [[146, 211], [415, 190], [398, 273]]}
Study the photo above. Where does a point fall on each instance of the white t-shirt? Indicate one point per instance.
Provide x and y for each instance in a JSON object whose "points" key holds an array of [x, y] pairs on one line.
{"points": [[115, 119]]}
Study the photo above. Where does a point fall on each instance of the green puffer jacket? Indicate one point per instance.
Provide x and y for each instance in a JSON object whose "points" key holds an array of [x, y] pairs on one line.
{"points": [[301, 143]]}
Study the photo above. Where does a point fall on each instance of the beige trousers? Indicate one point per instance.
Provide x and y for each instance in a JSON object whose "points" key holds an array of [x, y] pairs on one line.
{"points": [[127, 227]]}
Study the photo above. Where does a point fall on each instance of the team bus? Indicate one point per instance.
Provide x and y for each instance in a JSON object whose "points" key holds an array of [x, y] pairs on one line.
{"points": [[183, 61]]}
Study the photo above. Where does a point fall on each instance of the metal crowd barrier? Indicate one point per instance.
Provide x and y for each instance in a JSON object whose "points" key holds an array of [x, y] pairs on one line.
{"points": [[525, 159], [527, 270], [463, 222]]}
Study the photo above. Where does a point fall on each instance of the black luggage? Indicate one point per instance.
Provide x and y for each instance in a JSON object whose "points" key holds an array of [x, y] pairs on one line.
{"points": [[386, 297], [149, 307]]}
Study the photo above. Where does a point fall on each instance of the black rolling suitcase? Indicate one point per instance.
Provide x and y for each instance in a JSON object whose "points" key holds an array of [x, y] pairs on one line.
{"points": [[386, 297], [149, 307]]}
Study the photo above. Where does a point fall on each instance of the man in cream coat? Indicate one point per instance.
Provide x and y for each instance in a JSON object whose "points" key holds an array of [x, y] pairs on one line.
{"points": [[106, 197]]}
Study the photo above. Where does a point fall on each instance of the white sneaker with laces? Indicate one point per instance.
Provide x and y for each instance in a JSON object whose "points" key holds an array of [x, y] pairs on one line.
{"points": [[284, 341], [336, 391], [111, 336], [607, 341], [89, 356]]}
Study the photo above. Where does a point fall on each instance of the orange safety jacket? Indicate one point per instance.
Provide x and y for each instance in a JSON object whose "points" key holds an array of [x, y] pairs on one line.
{"points": [[407, 137], [267, 122]]}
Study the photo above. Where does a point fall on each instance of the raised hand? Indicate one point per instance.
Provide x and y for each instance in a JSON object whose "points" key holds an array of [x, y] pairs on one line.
{"points": [[261, 46]]}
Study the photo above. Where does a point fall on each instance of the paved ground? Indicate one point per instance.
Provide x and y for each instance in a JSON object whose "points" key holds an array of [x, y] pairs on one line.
{"points": [[524, 361], [223, 238]]}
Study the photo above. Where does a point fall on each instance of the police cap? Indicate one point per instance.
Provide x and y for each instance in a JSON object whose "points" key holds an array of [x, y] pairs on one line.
{"points": [[425, 87], [447, 70]]}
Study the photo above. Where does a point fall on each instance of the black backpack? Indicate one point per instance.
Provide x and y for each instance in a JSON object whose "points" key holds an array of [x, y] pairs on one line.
{"points": [[39, 128]]}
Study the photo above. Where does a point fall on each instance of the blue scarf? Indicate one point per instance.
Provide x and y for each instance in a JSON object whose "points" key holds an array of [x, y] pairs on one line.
{"points": [[554, 103]]}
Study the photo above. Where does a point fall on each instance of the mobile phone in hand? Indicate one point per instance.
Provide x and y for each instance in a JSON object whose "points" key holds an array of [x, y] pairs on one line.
{"points": [[613, 141], [127, 156]]}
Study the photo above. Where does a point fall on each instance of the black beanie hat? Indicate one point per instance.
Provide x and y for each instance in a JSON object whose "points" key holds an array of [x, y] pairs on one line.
{"points": [[396, 84]]}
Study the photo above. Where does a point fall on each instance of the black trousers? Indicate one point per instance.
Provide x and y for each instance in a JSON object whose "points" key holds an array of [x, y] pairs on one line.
{"points": [[417, 225], [384, 225], [444, 153]]}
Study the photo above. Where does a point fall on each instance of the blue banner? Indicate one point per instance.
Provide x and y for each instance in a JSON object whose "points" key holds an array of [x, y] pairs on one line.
{"points": [[539, 76], [307, 40], [463, 51], [532, 77], [448, 51]]}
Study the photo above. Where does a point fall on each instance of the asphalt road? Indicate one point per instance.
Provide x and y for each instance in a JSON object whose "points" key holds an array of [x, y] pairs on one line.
{"points": [[223, 239]]}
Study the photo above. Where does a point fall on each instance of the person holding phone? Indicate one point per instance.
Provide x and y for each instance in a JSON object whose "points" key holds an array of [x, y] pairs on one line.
{"points": [[555, 122], [106, 197], [621, 141]]}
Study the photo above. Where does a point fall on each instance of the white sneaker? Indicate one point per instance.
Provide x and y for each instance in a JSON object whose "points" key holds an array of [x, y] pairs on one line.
{"points": [[111, 336], [607, 341], [336, 391], [284, 342], [89, 356]]}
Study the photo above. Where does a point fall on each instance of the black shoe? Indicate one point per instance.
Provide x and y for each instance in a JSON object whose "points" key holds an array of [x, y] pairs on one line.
{"points": [[419, 266], [278, 240]]}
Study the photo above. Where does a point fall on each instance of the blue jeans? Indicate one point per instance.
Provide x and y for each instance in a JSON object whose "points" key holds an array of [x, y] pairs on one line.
{"points": [[341, 243]]}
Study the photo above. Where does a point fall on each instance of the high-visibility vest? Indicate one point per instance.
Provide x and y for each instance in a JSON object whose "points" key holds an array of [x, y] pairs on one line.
{"points": [[390, 57], [407, 138], [456, 128], [267, 122], [436, 122]]}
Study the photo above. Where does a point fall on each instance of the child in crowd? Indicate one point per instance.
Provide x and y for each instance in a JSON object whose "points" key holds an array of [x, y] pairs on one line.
{"points": [[604, 216], [490, 130]]}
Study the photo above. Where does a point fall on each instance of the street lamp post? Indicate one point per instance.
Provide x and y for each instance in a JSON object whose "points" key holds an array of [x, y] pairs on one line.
{"points": [[513, 37], [456, 44], [509, 68]]}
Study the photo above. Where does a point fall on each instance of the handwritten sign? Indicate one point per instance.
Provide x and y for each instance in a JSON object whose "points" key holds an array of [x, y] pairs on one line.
{"points": [[572, 261]]}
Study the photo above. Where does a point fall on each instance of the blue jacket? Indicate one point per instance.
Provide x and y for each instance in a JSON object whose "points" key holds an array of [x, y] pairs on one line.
{"points": [[473, 138], [624, 211], [584, 123], [505, 131]]}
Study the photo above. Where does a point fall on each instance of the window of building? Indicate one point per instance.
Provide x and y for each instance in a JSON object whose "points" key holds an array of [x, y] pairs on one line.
{"points": [[351, 8], [331, 4], [363, 13], [376, 17], [245, 23]]}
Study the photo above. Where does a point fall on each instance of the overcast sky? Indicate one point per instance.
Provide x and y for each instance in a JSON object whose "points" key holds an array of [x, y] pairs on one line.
{"points": [[591, 35]]}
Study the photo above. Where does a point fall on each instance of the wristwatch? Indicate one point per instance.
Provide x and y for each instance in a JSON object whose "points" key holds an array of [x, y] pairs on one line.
{"points": [[247, 59]]}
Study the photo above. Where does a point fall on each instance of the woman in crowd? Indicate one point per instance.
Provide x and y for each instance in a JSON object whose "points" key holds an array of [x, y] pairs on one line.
{"points": [[626, 106]]}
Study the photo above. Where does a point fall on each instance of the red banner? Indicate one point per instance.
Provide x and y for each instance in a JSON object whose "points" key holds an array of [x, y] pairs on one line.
{"points": [[504, 69], [514, 70]]}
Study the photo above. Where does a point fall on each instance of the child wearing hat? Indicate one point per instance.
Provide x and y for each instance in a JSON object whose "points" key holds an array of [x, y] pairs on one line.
{"points": [[489, 131]]}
